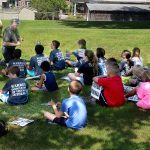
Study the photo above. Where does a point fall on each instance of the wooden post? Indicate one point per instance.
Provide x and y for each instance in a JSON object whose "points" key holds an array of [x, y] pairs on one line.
{"points": [[75, 9], [88, 15]]}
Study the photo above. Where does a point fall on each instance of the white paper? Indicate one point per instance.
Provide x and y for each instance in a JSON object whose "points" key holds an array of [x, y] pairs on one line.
{"points": [[21, 122], [96, 90]]}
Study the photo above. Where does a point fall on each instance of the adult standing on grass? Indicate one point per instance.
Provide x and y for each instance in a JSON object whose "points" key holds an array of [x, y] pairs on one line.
{"points": [[11, 39]]}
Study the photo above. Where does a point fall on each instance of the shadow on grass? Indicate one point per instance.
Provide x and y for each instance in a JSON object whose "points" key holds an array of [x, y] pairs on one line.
{"points": [[120, 125], [123, 123], [106, 25], [45, 136], [119, 128]]}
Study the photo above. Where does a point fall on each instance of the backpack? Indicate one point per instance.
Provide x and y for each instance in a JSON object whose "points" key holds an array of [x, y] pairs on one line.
{"points": [[3, 129]]}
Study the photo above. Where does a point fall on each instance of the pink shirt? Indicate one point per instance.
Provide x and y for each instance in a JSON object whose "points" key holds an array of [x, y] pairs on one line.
{"points": [[143, 93]]}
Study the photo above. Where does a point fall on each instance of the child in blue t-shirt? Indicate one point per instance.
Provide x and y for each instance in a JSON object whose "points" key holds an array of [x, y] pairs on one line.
{"points": [[56, 57], [47, 80], [15, 91], [79, 54], [73, 113], [17, 61], [34, 68]]}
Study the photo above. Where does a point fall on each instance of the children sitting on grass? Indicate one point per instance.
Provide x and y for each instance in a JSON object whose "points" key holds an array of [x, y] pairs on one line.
{"points": [[15, 91], [112, 94], [126, 64], [100, 53], [136, 58], [56, 57], [79, 54], [73, 113], [17, 61], [142, 90], [35, 61], [87, 70], [47, 80]]}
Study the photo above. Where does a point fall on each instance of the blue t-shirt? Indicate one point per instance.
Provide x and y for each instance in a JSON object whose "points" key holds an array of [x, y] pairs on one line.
{"points": [[36, 61], [76, 109], [50, 81], [57, 58]]}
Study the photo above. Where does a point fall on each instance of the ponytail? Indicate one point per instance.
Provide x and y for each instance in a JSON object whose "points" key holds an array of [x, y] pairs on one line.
{"points": [[93, 60]]}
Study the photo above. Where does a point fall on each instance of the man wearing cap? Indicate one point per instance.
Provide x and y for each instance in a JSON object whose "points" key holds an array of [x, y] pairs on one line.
{"points": [[11, 39]]}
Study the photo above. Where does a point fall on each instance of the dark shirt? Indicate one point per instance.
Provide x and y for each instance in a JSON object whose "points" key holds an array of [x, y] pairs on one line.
{"points": [[11, 36], [57, 58], [125, 67], [50, 81], [88, 72], [18, 91], [35, 62], [21, 64]]}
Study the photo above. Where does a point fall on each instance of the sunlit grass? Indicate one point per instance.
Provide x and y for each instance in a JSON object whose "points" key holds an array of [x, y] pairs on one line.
{"points": [[122, 128]]}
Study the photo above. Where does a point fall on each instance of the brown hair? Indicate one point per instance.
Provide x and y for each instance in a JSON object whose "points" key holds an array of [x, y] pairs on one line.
{"points": [[56, 43], [92, 59], [14, 70], [82, 43], [141, 73], [113, 68]]}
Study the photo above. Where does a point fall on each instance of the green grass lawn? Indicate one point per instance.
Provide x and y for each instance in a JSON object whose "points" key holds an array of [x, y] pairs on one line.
{"points": [[125, 128]]}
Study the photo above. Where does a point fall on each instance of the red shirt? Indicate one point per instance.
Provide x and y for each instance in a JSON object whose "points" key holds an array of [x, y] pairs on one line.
{"points": [[113, 90]]}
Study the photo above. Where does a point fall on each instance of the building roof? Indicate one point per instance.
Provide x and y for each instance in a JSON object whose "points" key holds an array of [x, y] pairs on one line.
{"points": [[119, 7], [111, 1]]}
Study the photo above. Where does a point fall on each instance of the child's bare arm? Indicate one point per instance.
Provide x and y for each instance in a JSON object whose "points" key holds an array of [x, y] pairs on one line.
{"points": [[56, 111], [95, 79], [40, 83], [4, 71], [131, 93]]}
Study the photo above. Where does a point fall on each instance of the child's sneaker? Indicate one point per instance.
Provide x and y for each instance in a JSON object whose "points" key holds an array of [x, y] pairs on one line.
{"points": [[51, 122]]}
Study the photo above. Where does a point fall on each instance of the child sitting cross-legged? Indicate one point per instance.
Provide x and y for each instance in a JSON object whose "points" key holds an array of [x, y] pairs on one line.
{"points": [[56, 57], [17, 61], [136, 57], [15, 91], [126, 64], [34, 68], [73, 113], [112, 94], [87, 70], [79, 54], [47, 80]]}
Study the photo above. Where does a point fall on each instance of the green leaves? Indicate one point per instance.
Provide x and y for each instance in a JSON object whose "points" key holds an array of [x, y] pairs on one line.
{"points": [[49, 5]]}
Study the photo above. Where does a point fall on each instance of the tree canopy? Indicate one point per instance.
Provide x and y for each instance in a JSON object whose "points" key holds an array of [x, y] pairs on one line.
{"points": [[49, 5]]}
